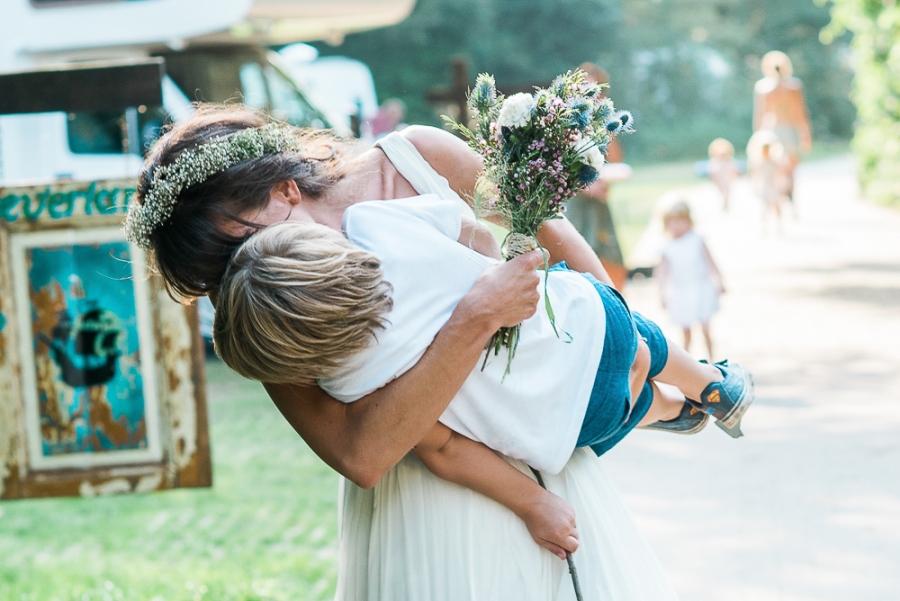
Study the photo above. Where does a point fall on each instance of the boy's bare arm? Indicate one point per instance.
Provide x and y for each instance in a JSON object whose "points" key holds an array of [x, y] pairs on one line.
{"points": [[479, 238], [455, 458]]}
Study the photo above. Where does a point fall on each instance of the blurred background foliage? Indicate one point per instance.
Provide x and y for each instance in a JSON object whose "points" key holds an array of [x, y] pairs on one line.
{"points": [[686, 68], [875, 25]]}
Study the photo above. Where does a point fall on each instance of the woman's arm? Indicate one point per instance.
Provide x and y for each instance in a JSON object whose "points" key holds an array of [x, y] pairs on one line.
{"points": [[364, 439], [455, 458], [802, 119], [454, 160]]}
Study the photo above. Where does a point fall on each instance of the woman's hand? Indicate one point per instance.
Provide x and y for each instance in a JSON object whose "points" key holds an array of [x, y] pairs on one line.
{"points": [[551, 522], [505, 294]]}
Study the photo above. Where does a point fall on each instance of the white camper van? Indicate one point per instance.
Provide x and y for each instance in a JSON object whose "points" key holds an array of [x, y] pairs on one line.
{"points": [[215, 51]]}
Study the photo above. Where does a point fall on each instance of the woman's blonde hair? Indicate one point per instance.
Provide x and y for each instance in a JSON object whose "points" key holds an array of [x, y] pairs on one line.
{"points": [[777, 64], [296, 300]]}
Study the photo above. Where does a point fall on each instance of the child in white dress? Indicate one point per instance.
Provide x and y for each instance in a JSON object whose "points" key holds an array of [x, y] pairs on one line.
{"points": [[689, 280]]}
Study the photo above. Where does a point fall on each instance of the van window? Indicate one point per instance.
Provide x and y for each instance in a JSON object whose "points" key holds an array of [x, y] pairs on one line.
{"points": [[106, 132], [96, 133], [253, 83], [287, 103]]}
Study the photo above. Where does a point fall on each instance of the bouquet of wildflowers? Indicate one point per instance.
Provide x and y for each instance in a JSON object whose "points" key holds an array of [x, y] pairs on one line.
{"points": [[539, 150]]}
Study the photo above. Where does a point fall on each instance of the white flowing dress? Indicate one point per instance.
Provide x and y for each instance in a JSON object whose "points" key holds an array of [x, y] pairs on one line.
{"points": [[415, 537]]}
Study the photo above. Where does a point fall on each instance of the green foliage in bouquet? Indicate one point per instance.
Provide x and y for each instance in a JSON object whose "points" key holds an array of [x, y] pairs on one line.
{"points": [[539, 150]]}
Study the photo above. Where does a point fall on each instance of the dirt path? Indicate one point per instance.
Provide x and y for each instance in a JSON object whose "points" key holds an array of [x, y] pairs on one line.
{"points": [[806, 507]]}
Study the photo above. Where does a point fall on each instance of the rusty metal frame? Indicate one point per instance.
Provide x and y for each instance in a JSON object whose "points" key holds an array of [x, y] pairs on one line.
{"points": [[178, 363]]}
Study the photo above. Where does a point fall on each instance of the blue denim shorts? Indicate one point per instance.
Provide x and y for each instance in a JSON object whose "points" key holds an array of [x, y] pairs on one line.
{"points": [[610, 415]]}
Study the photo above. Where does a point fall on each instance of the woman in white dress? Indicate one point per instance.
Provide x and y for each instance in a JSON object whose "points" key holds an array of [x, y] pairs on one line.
{"points": [[404, 533]]}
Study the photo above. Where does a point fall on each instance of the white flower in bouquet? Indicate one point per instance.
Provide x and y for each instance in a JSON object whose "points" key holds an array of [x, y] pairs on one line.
{"points": [[516, 111], [590, 154]]}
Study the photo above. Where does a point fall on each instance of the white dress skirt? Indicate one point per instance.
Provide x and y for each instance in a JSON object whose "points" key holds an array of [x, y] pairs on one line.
{"points": [[415, 537]]}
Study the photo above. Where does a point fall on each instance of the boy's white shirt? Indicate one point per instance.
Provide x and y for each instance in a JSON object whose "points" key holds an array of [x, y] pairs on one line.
{"points": [[535, 413]]}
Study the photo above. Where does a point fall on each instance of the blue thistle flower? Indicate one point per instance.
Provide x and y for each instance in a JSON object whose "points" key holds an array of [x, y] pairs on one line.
{"points": [[581, 113], [483, 96], [603, 111], [558, 87], [592, 90], [614, 126], [587, 175], [627, 121]]}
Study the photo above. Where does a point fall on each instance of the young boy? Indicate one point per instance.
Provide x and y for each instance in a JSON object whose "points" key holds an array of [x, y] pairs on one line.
{"points": [[722, 167], [301, 303]]}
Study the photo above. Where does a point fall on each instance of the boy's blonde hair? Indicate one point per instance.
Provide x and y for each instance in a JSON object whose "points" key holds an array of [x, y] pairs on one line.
{"points": [[720, 148], [296, 300]]}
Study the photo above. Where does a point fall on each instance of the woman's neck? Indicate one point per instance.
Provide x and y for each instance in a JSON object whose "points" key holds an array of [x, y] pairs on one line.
{"points": [[366, 181]]}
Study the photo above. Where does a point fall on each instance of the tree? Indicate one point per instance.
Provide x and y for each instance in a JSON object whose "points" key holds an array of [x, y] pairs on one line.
{"points": [[875, 25], [686, 68]]}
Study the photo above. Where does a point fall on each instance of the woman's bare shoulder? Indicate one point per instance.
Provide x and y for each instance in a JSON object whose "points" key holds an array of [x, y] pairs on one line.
{"points": [[435, 143], [447, 154]]}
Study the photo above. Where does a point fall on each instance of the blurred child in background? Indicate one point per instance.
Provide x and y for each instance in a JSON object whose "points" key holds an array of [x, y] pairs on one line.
{"points": [[722, 167], [769, 173], [689, 280]]}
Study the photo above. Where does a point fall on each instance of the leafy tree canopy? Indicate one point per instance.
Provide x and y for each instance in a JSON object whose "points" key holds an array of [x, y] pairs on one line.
{"points": [[686, 68]]}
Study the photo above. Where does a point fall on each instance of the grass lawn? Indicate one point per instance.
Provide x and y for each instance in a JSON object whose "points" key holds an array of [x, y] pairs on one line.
{"points": [[266, 530]]}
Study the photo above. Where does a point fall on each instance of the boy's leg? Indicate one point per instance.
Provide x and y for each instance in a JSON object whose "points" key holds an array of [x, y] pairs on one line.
{"points": [[667, 404], [722, 390], [686, 373]]}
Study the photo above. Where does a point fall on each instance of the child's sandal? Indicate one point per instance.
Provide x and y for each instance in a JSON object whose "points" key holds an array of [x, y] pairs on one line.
{"points": [[690, 421]]}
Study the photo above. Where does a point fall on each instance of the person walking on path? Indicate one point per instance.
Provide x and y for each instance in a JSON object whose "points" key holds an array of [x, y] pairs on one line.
{"points": [[769, 166], [722, 168], [779, 107], [689, 280]]}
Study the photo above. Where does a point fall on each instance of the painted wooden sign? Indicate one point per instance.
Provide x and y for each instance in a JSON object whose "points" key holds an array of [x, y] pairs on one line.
{"points": [[101, 373]]}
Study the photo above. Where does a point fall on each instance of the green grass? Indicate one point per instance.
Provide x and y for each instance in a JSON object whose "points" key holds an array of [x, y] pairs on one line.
{"points": [[266, 530]]}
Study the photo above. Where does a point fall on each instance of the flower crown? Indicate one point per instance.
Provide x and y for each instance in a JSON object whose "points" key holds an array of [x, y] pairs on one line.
{"points": [[195, 166]]}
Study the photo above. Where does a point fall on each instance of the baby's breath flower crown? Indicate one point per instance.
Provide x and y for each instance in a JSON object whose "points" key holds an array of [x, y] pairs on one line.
{"points": [[195, 166], [539, 150]]}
